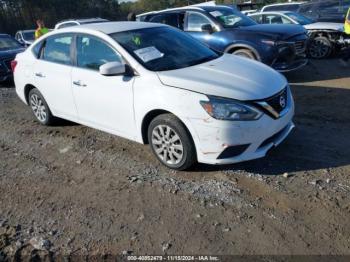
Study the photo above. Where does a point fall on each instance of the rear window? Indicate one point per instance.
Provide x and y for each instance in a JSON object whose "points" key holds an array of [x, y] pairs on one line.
{"points": [[8, 43]]}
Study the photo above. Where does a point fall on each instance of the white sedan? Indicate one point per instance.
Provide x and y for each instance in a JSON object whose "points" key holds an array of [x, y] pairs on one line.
{"points": [[155, 84]]}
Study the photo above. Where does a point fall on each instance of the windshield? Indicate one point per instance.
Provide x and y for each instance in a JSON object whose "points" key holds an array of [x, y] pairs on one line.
{"points": [[164, 48], [303, 20], [7, 43], [231, 18], [28, 36]]}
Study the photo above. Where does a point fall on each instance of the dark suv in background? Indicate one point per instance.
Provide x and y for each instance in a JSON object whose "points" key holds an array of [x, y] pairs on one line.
{"points": [[326, 10], [225, 29], [9, 48]]}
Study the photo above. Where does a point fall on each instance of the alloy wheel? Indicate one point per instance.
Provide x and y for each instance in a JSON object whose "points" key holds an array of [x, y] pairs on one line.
{"points": [[167, 145], [319, 48], [38, 107]]}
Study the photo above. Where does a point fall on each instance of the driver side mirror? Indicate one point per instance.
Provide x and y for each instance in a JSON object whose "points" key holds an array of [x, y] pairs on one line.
{"points": [[207, 28], [112, 69]]}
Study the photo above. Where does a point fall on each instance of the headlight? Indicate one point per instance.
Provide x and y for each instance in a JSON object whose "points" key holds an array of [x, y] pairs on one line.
{"points": [[274, 43], [226, 109]]}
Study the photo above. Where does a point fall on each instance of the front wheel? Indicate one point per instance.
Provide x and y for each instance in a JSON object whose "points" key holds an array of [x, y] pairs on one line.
{"points": [[320, 47], [171, 142]]}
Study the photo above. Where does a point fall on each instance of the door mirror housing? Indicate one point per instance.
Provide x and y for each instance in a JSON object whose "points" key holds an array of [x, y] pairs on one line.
{"points": [[207, 28], [113, 69]]}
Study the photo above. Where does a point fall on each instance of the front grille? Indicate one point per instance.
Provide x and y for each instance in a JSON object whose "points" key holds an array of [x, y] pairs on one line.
{"points": [[300, 47], [2, 67], [279, 101]]}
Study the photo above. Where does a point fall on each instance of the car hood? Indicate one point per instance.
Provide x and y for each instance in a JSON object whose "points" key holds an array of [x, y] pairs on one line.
{"points": [[282, 31], [229, 76], [325, 26], [11, 52]]}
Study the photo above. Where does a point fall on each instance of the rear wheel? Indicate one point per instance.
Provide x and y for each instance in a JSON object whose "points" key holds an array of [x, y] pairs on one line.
{"points": [[40, 108], [320, 47], [245, 53], [171, 142]]}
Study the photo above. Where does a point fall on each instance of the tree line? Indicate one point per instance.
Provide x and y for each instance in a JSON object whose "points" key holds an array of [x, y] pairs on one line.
{"points": [[21, 14]]}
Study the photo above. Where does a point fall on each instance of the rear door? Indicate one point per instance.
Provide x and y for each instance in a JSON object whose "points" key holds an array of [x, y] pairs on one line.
{"points": [[103, 102], [52, 75]]}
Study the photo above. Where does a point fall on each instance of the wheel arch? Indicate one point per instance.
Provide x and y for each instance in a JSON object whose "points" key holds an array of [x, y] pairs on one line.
{"points": [[147, 119], [235, 47], [27, 89]]}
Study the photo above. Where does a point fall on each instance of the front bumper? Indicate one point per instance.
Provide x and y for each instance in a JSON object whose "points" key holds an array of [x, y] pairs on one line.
{"points": [[6, 77], [244, 140], [291, 56]]}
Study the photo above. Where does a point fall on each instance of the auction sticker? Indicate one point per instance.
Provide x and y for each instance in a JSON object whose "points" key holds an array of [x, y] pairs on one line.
{"points": [[148, 54]]}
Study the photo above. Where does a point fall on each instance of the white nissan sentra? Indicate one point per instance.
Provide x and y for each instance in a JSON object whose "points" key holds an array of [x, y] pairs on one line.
{"points": [[156, 85]]}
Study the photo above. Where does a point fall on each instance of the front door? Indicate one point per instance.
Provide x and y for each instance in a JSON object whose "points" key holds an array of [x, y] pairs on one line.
{"points": [[103, 102]]}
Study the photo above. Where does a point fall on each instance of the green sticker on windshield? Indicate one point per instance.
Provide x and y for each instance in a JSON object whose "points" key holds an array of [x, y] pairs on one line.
{"points": [[137, 40]]}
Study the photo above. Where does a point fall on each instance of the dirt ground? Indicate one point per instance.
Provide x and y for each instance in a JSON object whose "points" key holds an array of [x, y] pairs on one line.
{"points": [[72, 190]]}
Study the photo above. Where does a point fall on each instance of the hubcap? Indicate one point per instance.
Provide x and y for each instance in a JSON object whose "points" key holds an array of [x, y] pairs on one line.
{"points": [[318, 49], [38, 107], [167, 144]]}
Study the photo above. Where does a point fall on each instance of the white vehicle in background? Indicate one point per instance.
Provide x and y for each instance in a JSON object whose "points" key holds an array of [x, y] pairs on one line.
{"points": [[74, 22], [289, 6], [248, 12], [188, 102], [324, 36], [25, 37]]}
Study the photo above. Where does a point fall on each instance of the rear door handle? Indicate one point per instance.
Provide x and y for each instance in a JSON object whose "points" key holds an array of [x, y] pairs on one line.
{"points": [[79, 83], [39, 75]]}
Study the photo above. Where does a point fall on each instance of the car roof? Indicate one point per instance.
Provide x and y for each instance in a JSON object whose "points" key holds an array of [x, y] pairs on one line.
{"points": [[206, 8], [288, 3], [114, 27], [84, 20], [273, 12]]}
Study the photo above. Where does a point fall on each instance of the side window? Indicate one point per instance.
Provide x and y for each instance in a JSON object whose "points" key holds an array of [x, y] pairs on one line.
{"points": [[92, 53], [273, 19], [195, 21], [57, 49], [168, 19], [37, 48], [257, 18]]}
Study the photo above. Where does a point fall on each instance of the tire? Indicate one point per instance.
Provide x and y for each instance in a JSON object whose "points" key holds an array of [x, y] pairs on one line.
{"points": [[40, 108], [320, 47], [245, 53], [171, 142]]}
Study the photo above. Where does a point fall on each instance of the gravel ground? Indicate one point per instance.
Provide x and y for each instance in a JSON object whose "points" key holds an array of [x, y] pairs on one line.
{"points": [[72, 190]]}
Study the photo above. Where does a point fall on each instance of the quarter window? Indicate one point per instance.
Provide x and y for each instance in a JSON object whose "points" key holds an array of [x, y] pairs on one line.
{"points": [[92, 53], [57, 50], [195, 22]]}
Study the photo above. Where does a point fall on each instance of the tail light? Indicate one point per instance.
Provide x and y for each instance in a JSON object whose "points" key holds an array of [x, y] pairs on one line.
{"points": [[13, 65]]}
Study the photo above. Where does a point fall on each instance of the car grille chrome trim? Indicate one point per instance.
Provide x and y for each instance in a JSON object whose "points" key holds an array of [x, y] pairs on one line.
{"points": [[300, 47], [273, 105]]}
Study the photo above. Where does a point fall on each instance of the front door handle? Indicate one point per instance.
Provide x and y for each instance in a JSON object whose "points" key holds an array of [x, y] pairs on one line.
{"points": [[79, 83], [39, 74]]}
